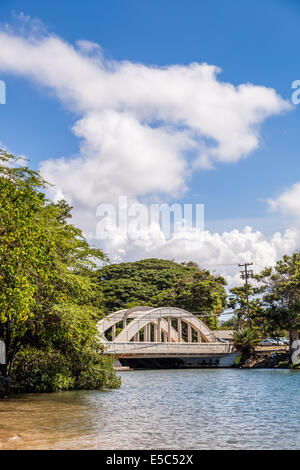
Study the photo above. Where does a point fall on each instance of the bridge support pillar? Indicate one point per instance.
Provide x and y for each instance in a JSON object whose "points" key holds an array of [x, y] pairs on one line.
{"points": [[149, 332], [159, 330], [179, 330], [155, 334], [169, 330], [199, 339], [113, 332], [189, 333]]}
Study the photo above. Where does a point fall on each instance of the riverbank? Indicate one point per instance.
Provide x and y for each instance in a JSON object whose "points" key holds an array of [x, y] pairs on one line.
{"points": [[267, 360]]}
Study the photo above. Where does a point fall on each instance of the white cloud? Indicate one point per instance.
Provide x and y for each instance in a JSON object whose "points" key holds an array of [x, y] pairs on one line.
{"points": [[139, 124], [288, 202], [219, 252], [142, 130]]}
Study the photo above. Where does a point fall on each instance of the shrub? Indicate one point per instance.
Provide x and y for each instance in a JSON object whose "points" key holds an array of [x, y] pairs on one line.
{"points": [[93, 371], [36, 370], [97, 377], [245, 340]]}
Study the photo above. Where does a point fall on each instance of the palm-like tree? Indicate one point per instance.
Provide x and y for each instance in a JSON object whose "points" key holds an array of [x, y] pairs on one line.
{"points": [[245, 340]]}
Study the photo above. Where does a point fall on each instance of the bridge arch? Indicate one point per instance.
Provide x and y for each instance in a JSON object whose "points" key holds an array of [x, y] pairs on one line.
{"points": [[111, 321], [141, 318]]}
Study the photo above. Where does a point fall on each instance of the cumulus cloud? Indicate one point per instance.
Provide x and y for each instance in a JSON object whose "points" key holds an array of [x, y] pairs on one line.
{"points": [[142, 130], [222, 252], [288, 202], [219, 252]]}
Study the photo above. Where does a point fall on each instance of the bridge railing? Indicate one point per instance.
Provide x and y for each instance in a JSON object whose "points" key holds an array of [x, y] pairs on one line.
{"points": [[165, 348]]}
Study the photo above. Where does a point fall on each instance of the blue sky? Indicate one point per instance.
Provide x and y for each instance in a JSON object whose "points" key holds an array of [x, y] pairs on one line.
{"points": [[251, 41]]}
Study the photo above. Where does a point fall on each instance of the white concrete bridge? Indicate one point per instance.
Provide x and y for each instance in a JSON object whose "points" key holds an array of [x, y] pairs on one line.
{"points": [[142, 334], [155, 324]]}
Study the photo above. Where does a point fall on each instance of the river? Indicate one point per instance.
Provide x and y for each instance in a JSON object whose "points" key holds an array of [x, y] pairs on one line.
{"points": [[164, 409]]}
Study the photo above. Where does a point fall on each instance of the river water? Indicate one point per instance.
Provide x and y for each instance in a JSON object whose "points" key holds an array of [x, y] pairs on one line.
{"points": [[165, 409]]}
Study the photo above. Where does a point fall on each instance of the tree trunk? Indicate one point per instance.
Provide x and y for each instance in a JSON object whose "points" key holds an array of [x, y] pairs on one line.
{"points": [[293, 340], [13, 357]]}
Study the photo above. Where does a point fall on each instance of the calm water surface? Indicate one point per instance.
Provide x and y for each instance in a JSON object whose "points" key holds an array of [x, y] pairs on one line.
{"points": [[166, 409]]}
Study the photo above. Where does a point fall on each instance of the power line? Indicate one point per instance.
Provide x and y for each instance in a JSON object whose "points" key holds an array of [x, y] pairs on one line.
{"points": [[224, 264]]}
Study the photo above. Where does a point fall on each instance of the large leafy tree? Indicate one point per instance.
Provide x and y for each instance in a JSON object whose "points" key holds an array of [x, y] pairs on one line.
{"points": [[138, 283], [25, 253], [239, 304], [281, 295], [159, 282], [48, 296], [200, 292]]}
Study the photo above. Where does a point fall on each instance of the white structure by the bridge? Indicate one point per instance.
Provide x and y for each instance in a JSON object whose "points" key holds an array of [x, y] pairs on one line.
{"points": [[156, 325]]}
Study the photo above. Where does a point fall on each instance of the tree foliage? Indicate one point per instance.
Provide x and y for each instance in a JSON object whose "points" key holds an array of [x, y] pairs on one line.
{"points": [[48, 296], [158, 282], [200, 292], [238, 303], [280, 288], [138, 283], [246, 339]]}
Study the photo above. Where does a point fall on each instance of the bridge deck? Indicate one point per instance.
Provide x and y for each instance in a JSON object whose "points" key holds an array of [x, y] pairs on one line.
{"points": [[140, 349]]}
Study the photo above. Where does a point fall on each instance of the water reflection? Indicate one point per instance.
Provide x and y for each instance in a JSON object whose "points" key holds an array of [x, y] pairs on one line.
{"points": [[199, 409]]}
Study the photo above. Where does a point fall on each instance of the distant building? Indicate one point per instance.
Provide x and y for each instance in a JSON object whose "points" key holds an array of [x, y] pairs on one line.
{"points": [[224, 334]]}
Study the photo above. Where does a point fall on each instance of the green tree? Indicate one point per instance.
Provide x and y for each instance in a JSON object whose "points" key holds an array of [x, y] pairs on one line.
{"points": [[138, 283], [49, 298], [159, 282], [25, 254], [281, 296], [238, 303], [245, 340], [230, 324], [201, 293]]}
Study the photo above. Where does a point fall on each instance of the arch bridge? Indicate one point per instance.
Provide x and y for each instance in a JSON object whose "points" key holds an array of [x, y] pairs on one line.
{"points": [[163, 337], [163, 324]]}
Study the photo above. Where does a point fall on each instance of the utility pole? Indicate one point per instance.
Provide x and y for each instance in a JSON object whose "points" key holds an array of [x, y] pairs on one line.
{"points": [[247, 274]]}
